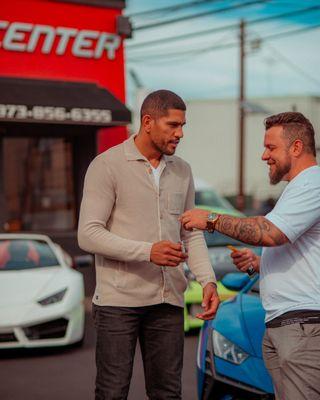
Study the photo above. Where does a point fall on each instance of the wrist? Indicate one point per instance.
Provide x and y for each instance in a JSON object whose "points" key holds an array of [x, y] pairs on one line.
{"points": [[212, 220], [211, 283]]}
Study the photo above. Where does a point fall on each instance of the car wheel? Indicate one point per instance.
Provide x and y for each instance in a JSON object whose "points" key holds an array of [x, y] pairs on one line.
{"points": [[208, 384], [234, 394], [215, 390]]}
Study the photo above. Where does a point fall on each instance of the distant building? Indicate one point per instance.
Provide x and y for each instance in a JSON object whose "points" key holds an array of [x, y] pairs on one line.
{"points": [[211, 142]]}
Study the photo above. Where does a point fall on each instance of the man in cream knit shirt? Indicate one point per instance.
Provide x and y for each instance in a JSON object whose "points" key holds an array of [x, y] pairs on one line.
{"points": [[133, 196]]}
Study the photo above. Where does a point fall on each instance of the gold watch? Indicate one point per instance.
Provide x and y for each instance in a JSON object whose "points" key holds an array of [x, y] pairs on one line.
{"points": [[211, 222]]}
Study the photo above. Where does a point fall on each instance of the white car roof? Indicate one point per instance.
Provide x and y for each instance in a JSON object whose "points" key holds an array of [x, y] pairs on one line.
{"points": [[201, 184], [30, 236]]}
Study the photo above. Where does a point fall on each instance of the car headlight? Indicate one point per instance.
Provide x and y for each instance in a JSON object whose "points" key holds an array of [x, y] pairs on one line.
{"points": [[227, 350], [54, 298]]}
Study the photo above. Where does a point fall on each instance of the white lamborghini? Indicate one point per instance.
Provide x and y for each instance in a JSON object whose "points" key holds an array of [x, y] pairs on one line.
{"points": [[41, 296]]}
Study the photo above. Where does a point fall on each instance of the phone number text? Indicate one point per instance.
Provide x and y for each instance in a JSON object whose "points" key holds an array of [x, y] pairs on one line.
{"points": [[39, 113]]}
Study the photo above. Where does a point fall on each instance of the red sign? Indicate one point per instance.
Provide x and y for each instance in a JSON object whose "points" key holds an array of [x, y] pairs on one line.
{"points": [[52, 40]]}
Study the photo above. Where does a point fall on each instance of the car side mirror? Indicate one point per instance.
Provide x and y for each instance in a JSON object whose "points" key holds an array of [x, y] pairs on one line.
{"points": [[85, 260], [235, 280]]}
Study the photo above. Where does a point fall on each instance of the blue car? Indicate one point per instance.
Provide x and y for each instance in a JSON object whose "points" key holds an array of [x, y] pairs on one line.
{"points": [[229, 358]]}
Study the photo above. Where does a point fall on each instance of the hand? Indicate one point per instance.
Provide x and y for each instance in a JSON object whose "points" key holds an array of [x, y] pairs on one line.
{"points": [[167, 253], [195, 218], [210, 302], [245, 258]]}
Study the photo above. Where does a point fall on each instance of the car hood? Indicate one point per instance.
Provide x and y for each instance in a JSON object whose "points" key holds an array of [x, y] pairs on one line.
{"points": [[21, 287], [240, 319], [253, 318], [229, 323]]}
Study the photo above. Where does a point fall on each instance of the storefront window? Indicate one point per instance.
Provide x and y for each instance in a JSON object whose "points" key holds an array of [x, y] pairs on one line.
{"points": [[38, 183]]}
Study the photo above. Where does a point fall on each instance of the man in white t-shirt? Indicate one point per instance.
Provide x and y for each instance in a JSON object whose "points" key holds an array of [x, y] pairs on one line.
{"points": [[290, 263]]}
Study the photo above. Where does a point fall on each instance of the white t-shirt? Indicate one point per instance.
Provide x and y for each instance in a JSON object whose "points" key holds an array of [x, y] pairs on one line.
{"points": [[156, 174], [290, 274]]}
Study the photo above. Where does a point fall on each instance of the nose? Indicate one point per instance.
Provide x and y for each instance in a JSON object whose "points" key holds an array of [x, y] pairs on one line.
{"points": [[179, 132], [265, 155]]}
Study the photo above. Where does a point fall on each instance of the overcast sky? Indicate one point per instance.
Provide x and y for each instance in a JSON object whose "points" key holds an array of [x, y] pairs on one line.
{"points": [[197, 69]]}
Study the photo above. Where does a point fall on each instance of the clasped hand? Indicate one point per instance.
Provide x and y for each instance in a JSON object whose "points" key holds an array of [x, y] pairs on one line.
{"points": [[166, 253], [194, 219]]}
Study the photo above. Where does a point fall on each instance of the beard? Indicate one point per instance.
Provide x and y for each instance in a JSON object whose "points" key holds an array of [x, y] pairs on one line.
{"points": [[163, 148], [279, 171]]}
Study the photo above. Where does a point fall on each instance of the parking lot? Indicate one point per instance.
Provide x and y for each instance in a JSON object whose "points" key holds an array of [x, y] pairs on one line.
{"points": [[70, 373]]}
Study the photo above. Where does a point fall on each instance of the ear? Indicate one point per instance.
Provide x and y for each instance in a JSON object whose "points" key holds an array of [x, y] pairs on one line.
{"points": [[146, 123], [297, 148]]}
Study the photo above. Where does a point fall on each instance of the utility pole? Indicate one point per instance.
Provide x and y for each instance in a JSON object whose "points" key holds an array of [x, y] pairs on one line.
{"points": [[241, 195]]}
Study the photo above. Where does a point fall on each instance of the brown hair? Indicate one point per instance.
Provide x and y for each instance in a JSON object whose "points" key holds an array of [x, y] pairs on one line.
{"points": [[295, 126], [158, 103]]}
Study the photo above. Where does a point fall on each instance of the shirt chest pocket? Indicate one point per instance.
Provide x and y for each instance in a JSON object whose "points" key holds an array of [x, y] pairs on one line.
{"points": [[175, 202]]}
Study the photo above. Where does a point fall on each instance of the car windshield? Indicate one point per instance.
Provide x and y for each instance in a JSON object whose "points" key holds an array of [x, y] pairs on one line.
{"points": [[19, 254], [218, 239], [209, 198]]}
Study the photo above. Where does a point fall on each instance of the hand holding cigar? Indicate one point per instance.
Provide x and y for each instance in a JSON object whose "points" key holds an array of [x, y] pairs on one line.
{"points": [[250, 270]]}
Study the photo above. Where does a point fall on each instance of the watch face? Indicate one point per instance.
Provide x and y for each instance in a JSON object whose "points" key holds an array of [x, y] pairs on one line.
{"points": [[212, 216]]}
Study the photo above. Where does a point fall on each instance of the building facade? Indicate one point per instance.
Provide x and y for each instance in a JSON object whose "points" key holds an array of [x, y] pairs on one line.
{"points": [[62, 100]]}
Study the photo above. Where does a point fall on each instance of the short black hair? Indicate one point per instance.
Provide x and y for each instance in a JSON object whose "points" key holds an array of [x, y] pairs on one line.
{"points": [[158, 103], [295, 126]]}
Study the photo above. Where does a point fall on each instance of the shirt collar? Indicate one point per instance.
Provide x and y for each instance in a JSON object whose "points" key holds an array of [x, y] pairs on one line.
{"points": [[132, 152]]}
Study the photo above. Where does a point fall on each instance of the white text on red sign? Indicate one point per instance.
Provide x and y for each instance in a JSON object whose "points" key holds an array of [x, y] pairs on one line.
{"points": [[27, 37]]}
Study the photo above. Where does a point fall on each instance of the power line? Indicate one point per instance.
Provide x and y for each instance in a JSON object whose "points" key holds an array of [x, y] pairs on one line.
{"points": [[220, 46], [186, 54], [222, 28], [293, 66], [293, 32], [203, 14], [148, 58], [176, 7]]}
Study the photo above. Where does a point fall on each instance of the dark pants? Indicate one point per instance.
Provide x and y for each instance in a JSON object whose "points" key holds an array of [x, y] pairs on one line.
{"points": [[160, 332]]}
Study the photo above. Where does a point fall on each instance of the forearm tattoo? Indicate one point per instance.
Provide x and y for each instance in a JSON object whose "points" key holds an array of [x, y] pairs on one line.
{"points": [[257, 231]]}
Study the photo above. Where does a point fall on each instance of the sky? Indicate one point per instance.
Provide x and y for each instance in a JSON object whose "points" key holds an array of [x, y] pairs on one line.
{"points": [[206, 66]]}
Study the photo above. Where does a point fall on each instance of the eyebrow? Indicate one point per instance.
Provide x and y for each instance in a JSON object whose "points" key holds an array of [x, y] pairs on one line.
{"points": [[176, 123]]}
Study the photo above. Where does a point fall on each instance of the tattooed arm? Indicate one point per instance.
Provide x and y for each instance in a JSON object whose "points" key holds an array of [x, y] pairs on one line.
{"points": [[257, 231]]}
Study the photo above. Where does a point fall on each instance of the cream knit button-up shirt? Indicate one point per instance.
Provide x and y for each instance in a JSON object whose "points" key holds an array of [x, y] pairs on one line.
{"points": [[123, 212]]}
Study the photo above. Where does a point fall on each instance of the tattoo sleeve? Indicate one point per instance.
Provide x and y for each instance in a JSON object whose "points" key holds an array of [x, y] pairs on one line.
{"points": [[257, 231]]}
